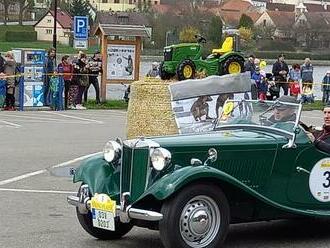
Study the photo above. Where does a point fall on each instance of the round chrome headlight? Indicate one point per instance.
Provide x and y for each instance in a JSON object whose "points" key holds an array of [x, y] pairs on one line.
{"points": [[160, 158], [111, 151]]}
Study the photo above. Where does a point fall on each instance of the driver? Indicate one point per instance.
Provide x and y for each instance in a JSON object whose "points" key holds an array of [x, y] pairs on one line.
{"points": [[322, 138], [284, 113]]}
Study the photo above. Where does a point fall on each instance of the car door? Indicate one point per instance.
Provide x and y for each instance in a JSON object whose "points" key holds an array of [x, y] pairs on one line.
{"points": [[310, 179]]}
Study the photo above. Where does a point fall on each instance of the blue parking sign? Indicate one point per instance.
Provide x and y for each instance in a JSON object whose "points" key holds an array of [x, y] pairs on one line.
{"points": [[80, 27]]}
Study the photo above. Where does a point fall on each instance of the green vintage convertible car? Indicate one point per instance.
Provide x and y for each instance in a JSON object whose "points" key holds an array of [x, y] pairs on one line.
{"points": [[257, 164]]}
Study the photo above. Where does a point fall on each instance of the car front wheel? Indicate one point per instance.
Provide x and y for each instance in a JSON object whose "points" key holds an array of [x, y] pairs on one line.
{"points": [[198, 216], [86, 222]]}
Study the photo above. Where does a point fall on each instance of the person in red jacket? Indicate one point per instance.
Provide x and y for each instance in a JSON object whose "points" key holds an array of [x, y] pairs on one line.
{"points": [[66, 68]]}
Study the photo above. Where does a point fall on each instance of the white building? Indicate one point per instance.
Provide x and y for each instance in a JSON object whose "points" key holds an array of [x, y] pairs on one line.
{"points": [[44, 27]]}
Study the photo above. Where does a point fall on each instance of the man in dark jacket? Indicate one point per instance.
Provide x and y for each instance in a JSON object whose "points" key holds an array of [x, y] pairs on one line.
{"points": [[249, 65], [95, 68], [322, 138], [50, 66], [280, 72]]}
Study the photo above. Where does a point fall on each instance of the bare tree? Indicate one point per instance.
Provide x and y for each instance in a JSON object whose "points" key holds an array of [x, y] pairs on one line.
{"points": [[24, 5], [5, 4]]}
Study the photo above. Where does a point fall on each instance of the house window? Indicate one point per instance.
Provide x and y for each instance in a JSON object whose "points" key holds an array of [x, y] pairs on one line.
{"points": [[116, 1], [302, 21], [49, 20], [264, 22], [49, 31], [104, 1]]}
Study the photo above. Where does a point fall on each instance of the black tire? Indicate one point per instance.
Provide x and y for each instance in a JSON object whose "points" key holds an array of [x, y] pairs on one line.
{"points": [[181, 68], [174, 212], [86, 222], [224, 67], [164, 75]]}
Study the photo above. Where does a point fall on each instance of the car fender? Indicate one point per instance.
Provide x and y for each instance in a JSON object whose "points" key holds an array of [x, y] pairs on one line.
{"points": [[100, 176], [169, 184]]}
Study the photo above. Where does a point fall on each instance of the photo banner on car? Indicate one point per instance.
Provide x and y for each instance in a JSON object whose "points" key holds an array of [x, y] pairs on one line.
{"points": [[198, 103]]}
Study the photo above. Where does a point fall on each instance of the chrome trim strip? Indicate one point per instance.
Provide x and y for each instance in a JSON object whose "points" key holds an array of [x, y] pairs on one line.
{"points": [[132, 163], [129, 213], [139, 143]]}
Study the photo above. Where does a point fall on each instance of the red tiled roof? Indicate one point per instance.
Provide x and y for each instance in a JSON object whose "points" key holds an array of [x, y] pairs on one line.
{"points": [[280, 7], [318, 20], [239, 5], [282, 19], [311, 7], [63, 18], [162, 8]]}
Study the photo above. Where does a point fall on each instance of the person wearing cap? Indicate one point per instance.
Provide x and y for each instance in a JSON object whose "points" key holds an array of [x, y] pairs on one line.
{"points": [[280, 72], [154, 71], [322, 138], [326, 87], [250, 65], [282, 112], [95, 68]]}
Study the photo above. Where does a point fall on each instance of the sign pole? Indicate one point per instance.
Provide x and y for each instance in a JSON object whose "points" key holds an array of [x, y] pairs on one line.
{"points": [[55, 21]]}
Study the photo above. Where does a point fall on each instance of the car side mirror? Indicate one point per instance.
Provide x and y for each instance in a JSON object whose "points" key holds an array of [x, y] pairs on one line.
{"points": [[195, 162]]}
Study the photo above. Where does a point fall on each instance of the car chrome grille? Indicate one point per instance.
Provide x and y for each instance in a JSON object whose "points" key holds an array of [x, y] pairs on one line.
{"points": [[134, 170]]}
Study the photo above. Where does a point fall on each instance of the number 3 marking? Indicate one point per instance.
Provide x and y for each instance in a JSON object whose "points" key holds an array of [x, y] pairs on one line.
{"points": [[327, 175]]}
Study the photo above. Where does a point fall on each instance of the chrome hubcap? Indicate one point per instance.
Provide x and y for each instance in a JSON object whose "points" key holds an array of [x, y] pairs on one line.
{"points": [[200, 221]]}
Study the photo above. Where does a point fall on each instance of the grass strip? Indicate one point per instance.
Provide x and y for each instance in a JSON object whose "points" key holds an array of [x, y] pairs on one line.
{"points": [[109, 104]]}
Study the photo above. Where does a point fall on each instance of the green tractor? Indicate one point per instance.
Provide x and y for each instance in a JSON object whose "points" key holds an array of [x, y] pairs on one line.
{"points": [[184, 60]]}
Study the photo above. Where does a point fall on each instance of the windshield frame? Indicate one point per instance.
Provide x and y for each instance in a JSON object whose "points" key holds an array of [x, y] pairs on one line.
{"points": [[290, 136]]}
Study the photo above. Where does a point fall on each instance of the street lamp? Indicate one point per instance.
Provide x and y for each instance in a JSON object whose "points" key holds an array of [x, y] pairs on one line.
{"points": [[55, 21]]}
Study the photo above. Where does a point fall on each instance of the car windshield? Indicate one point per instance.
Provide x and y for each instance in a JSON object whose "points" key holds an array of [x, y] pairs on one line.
{"points": [[275, 114]]}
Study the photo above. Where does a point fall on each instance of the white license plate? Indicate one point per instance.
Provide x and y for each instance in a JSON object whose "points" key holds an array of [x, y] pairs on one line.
{"points": [[103, 212], [103, 219]]}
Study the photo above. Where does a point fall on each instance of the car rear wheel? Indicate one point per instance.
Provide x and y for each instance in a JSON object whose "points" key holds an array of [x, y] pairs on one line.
{"points": [[232, 65], [186, 70], [86, 222], [198, 216]]}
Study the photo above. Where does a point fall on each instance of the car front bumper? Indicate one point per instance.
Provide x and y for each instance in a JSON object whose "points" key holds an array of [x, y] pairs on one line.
{"points": [[125, 212]]}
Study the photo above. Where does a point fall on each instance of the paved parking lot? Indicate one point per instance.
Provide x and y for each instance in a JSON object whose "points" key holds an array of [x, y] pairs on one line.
{"points": [[38, 148]]}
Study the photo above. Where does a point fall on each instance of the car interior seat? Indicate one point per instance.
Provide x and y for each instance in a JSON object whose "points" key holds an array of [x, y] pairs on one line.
{"points": [[227, 46]]}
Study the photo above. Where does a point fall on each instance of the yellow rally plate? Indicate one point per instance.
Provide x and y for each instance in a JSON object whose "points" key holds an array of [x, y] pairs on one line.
{"points": [[103, 212]]}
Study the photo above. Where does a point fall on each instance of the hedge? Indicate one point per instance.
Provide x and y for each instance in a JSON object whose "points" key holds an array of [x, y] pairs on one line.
{"points": [[21, 36]]}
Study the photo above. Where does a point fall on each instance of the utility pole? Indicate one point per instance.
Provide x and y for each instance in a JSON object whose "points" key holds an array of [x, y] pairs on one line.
{"points": [[55, 21]]}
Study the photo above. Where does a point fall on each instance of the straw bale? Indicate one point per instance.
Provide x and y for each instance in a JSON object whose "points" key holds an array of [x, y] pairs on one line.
{"points": [[149, 109]]}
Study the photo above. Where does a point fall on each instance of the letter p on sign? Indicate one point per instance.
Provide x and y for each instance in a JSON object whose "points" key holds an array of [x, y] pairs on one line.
{"points": [[81, 27]]}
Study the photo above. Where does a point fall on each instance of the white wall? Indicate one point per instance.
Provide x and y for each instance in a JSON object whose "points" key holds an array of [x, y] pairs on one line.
{"points": [[44, 30]]}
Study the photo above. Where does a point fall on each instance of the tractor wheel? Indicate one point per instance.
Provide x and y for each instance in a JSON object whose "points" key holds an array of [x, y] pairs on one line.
{"points": [[164, 75], [232, 65], [186, 70]]}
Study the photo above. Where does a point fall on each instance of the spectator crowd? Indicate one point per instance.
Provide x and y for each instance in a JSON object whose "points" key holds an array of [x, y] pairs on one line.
{"points": [[297, 81], [78, 75]]}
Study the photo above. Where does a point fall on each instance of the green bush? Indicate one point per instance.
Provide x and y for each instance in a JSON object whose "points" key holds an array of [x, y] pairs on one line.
{"points": [[21, 36], [6, 28]]}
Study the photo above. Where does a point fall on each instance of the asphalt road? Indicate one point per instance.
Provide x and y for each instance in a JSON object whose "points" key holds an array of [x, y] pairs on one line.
{"points": [[33, 207]]}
